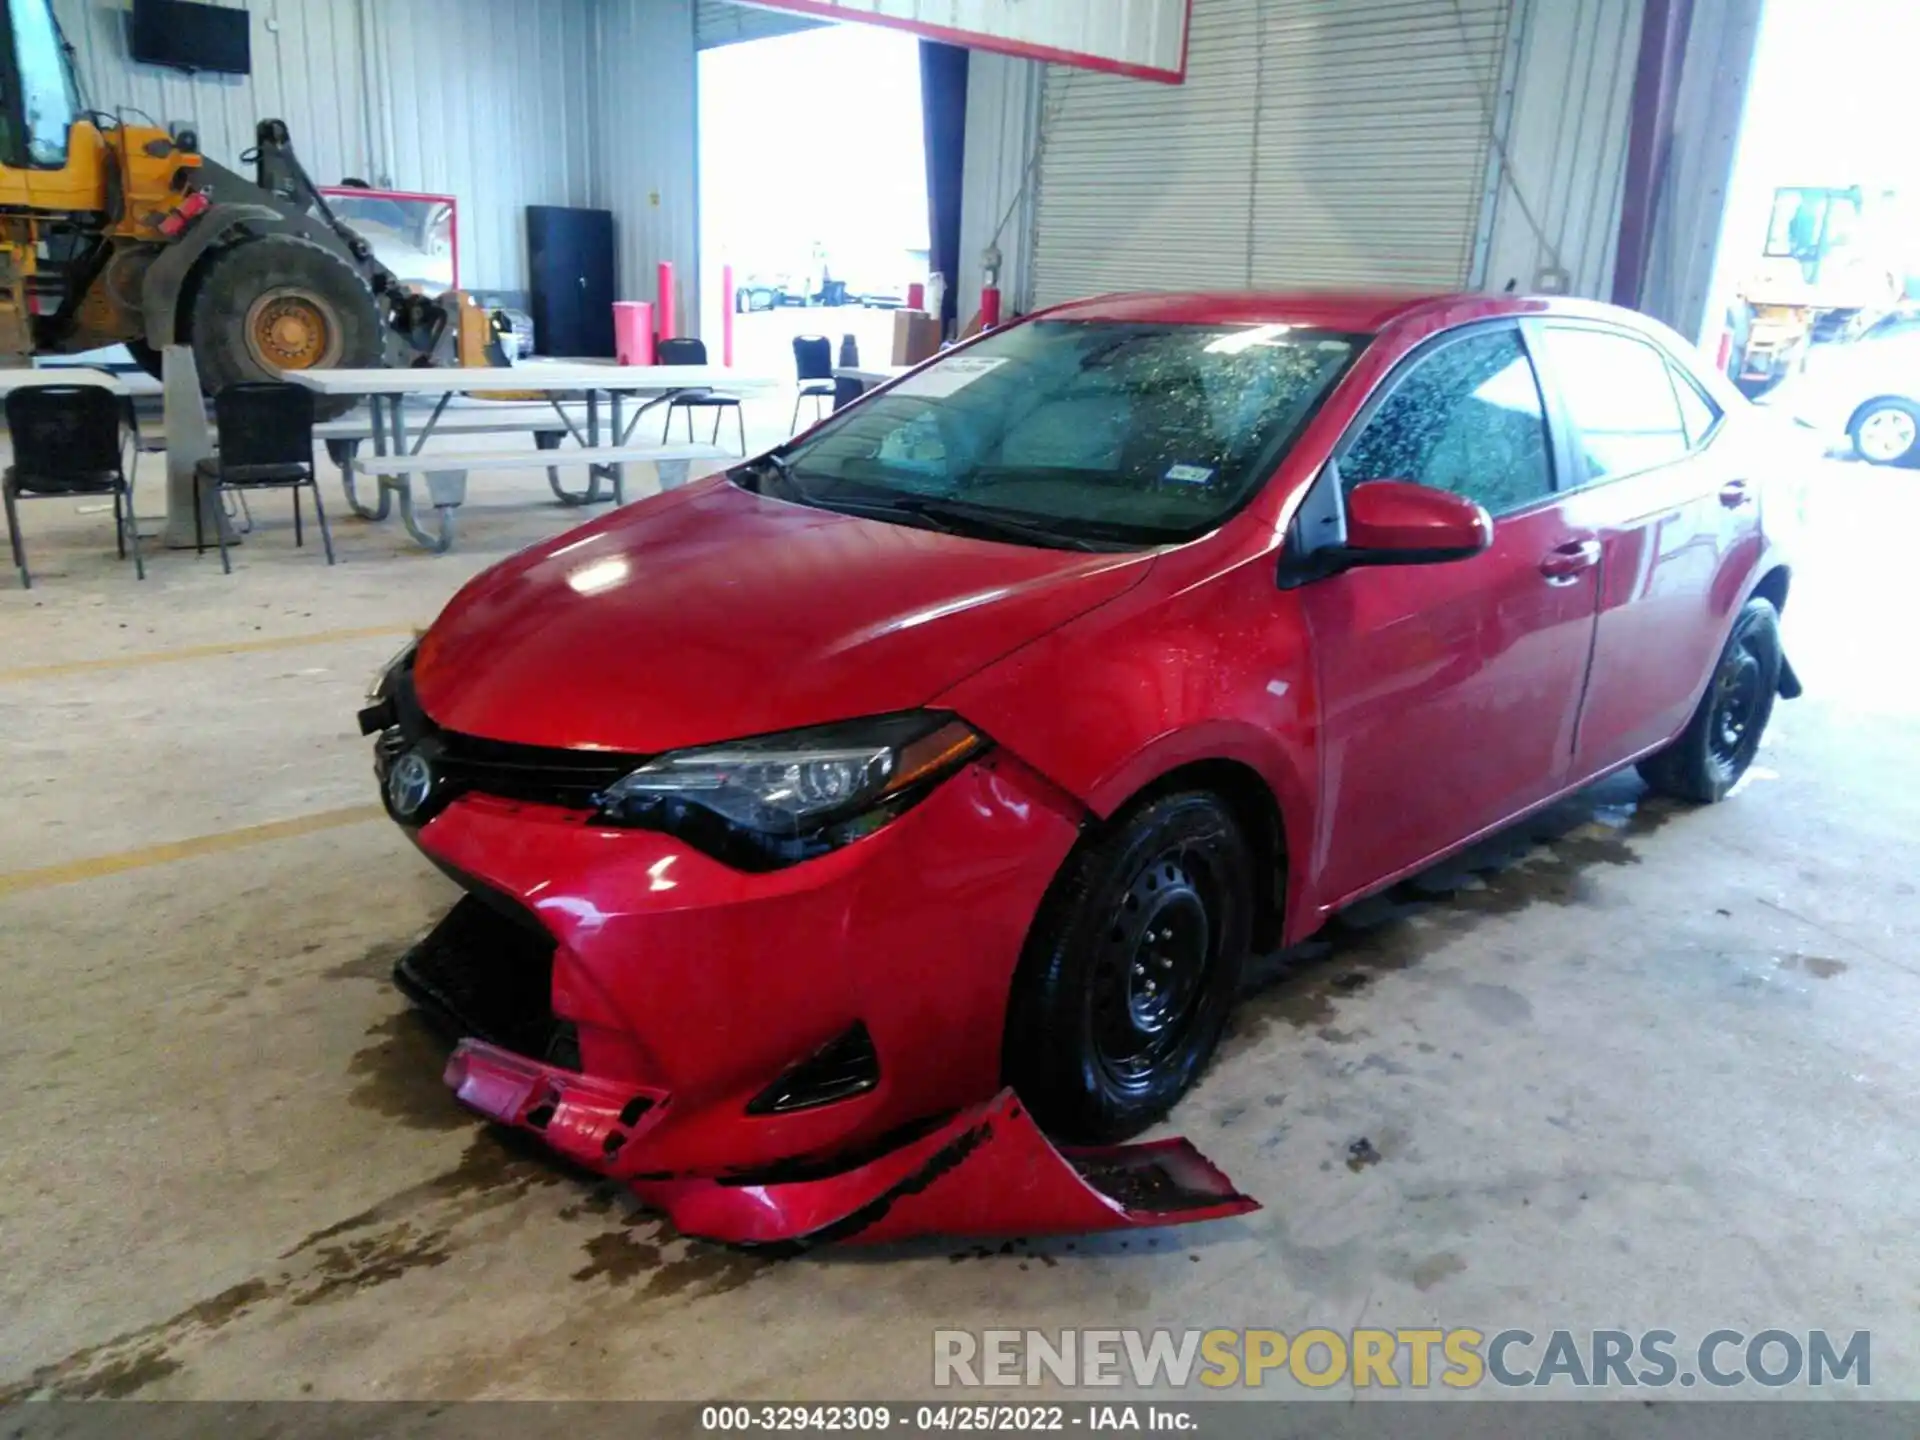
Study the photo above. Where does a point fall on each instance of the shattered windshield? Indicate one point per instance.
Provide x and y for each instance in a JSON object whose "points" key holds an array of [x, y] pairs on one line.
{"points": [[1091, 434]]}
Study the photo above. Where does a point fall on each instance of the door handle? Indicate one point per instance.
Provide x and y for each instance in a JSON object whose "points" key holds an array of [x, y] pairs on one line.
{"points": [[1734, 494], [1563, 563]]}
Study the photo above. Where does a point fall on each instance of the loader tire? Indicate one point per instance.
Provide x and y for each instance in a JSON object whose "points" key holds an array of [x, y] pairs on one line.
{"points": [[279, 303]]}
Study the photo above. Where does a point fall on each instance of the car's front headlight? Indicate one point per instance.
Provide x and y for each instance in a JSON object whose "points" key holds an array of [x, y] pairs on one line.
{"points": [[781, 798]]}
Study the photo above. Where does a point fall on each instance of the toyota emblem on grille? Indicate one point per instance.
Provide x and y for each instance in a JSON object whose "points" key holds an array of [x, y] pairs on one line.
{"points": [[409, 784]]}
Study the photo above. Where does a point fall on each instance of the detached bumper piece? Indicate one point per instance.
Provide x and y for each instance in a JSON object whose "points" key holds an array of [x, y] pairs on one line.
{"points": [[986, 1172], [587, 1119]]}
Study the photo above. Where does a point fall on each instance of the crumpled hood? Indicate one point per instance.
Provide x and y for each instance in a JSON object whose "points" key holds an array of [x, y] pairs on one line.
{"points": [[710, 613]]}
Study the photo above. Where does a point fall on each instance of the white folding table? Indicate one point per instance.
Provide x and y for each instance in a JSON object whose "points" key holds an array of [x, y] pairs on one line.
{"points": [[386, 391]]}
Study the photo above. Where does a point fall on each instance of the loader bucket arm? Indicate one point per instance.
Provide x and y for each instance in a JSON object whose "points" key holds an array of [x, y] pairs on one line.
{"points": [[282, 198]]}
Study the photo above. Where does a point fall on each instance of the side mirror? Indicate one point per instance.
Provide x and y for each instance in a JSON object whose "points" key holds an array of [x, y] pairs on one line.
{"points": [[1396, 522]]}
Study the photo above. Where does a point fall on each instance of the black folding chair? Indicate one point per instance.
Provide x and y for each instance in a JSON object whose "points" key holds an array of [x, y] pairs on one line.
{"points": [[813, 358], [66, 442], [694, 352], [264, 431]]}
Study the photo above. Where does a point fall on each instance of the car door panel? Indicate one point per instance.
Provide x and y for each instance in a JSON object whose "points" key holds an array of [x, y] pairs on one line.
{"points": [[1661, 549], [1450, 692], [1450, 695], [1659, 487]]}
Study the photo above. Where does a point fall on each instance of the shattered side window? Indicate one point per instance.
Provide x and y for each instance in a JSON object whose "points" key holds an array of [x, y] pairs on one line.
{"points": [[1468, 419]]}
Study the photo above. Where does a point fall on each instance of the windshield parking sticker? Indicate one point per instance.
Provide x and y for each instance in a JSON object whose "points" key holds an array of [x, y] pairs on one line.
{"points": [[944, 378], [1188, 474]]}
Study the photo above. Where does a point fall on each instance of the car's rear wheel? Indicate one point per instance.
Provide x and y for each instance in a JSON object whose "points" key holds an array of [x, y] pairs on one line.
{"points": [[1719, 743], [1128, 976], [1887, 432]]}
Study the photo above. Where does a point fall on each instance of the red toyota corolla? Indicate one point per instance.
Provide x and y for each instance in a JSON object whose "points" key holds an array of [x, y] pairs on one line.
{"points": [[837, 829]]}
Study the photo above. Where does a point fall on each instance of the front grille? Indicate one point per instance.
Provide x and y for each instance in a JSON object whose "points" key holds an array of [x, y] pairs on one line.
{"points": [[483, 974], [534, 773], [469, 764]]}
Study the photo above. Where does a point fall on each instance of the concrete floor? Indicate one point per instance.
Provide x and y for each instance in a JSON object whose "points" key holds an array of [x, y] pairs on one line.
{"points": [[1632, 1066]]}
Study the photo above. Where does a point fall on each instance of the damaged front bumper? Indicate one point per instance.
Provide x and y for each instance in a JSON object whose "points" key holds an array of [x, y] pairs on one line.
{"points": [[778, 1059], [987, 1171]]}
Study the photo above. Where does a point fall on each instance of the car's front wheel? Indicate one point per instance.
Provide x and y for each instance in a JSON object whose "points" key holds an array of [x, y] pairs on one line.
{"points": [[1719, 743], [1128, 976], [1887, 432]]}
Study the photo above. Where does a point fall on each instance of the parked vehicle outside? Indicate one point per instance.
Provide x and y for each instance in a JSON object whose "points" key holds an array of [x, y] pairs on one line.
{"points": [[970, 743], [1865, 392]]}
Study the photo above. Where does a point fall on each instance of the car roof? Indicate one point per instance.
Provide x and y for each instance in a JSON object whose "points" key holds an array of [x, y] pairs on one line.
{"points": [[1358, 311], [1364, 312]]}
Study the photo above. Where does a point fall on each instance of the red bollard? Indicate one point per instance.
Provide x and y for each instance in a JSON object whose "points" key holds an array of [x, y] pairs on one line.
{"points": [[726, 315], [633, 332], [665, 300], [989, 307]]}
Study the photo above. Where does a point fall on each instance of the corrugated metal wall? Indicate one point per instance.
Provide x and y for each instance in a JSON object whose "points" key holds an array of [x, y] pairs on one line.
{"points": [[1003, 113], [646, 160], [1690, 282], [489, 100], [1556, 215], [307, 70]]}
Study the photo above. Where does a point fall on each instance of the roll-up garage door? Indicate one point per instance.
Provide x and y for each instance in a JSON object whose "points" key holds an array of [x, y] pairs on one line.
{"points": [[1315, 142]]}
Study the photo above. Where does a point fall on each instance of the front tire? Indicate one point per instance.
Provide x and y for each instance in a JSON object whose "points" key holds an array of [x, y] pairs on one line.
{"points": [[1887, 432], [1723, 736], [1131, 969], [281, 303]]}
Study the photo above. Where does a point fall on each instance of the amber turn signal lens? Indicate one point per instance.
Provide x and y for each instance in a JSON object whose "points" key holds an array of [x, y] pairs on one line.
{"points": [[945, 749]]}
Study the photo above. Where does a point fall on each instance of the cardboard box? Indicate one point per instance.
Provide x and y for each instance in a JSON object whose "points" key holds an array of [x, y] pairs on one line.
{"points": [[916, 335]]}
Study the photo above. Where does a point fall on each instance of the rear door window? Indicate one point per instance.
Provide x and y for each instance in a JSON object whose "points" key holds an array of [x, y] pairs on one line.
{"points": [[1619, 395], [1698, 413]]}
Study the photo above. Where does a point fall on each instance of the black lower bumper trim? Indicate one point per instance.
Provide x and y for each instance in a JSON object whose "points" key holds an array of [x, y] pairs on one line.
{"points": [[478, 974]]}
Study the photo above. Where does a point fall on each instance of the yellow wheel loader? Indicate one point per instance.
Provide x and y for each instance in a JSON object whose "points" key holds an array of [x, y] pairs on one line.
{"points": [[113, 232]]}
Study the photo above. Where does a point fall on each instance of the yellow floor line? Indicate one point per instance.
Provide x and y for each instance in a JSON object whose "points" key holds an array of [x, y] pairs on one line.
{"points": [[19, 881], [199, 652]]}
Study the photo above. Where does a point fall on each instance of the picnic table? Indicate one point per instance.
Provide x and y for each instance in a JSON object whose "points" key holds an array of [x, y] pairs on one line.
{"points": [[398, 456]]}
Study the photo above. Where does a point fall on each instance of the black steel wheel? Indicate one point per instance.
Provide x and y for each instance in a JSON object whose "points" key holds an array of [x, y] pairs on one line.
{"points": [[1128, 976], [1723, 736]]}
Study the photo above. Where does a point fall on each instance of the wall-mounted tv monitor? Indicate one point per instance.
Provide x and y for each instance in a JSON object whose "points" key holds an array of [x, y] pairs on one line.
{"points": [[187, 36]]}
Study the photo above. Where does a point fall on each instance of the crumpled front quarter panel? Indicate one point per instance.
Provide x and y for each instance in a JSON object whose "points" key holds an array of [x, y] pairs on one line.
{"points": [[1202, 662]]}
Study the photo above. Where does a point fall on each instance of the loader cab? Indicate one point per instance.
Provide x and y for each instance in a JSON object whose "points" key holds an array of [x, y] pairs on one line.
{"points": [[39, 100]]}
